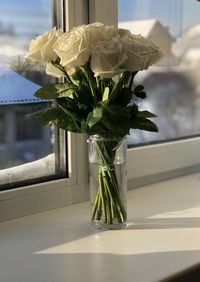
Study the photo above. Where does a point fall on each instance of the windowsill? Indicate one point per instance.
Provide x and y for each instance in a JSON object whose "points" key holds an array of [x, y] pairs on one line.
{"points": [[162, 238]]}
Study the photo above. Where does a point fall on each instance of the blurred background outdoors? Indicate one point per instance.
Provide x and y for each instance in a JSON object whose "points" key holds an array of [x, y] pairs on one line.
{"points": [[172, 86]]}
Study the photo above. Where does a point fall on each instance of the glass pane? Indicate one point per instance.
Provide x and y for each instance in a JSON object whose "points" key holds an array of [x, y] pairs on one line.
{"points": [[27, 128], [28, 151], [173, 85]]}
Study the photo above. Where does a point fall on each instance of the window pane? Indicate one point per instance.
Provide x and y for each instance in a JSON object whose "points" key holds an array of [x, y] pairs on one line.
{"points": [[27, 128], [29, 151], [173, 85]]}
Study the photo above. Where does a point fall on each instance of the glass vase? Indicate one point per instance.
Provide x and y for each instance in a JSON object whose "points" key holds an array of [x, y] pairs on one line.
{"points": [[108, 181]]}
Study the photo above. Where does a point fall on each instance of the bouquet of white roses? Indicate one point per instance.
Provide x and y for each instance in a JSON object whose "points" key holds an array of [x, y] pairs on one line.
{"points": [[88, 57], [89, 100]]}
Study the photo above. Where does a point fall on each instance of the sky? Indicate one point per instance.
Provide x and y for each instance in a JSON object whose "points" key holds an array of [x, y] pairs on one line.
{"points": [[21, 2], [27, 18], [178, 15], [11, 6]]}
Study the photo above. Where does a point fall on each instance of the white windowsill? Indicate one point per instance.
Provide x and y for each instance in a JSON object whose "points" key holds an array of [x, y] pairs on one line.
{"points": [[162, 238]]}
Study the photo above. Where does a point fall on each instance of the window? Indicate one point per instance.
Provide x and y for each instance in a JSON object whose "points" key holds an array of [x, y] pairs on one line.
{"points": [[146, 164], [158, 160], [27, 128], [38, 166], [172, 88], [26, 142], [172, 85]]}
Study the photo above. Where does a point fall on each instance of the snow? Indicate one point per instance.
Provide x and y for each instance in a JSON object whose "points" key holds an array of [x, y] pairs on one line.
{"points": [[142, 27]]}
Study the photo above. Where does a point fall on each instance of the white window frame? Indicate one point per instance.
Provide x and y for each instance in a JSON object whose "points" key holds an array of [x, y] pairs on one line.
{"points": [[146, 164], [52, 194]]}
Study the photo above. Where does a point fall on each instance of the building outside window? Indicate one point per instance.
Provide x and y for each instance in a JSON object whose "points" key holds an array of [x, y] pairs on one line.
{"points": [[27, 128], [25, 140], [50, 171], [173, 85]]}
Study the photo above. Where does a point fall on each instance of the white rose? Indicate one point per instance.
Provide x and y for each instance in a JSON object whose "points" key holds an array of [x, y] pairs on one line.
{"points": [[99, 31], [41, 48], [73, 48], [141, 52], [108, 58], [123, 32], [56, 72]]}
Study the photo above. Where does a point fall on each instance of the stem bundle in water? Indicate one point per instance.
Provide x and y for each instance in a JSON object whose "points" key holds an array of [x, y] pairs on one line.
{"points": [[108, 206]]}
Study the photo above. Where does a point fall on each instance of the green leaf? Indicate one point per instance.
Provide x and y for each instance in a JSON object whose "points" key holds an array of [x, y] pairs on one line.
{"points": [[116, 119], [90, 80], [68, 103], [84, 95], [48, 116], [54, 91], [146, 114], [124, 97], [119, 85], [83, 126], [67, 125], [73, 117], [133, 74], [133, 109], [105, 94], [115, 110], [95, 116], [96, 129], [143, 124], [58, 117]]}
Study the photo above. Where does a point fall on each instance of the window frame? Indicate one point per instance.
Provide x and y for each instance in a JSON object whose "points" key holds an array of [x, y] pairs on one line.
{"points": [[146, 164], [56, 193]]}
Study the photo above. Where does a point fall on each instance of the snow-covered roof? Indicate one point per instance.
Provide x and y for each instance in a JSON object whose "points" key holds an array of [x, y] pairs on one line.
{"points": [[145, 27], [16, 89], [192, 31], [190, 39], [152, 29], [142, 27]]}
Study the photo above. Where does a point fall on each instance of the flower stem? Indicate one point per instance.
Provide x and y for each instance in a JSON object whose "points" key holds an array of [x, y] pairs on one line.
{"points": [[108, 206], [90, 80]]}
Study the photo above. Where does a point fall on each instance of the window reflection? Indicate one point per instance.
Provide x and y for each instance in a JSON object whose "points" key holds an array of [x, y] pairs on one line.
{"points": [[22, 139], [173, 85], [27, 128]]}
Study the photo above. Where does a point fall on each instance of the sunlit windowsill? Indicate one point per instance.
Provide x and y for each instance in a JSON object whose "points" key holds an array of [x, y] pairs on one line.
{"points": [[162, 238]]}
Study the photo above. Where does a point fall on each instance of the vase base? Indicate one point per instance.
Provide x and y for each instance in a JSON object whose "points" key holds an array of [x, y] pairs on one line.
{"points": [[106, 226]]}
